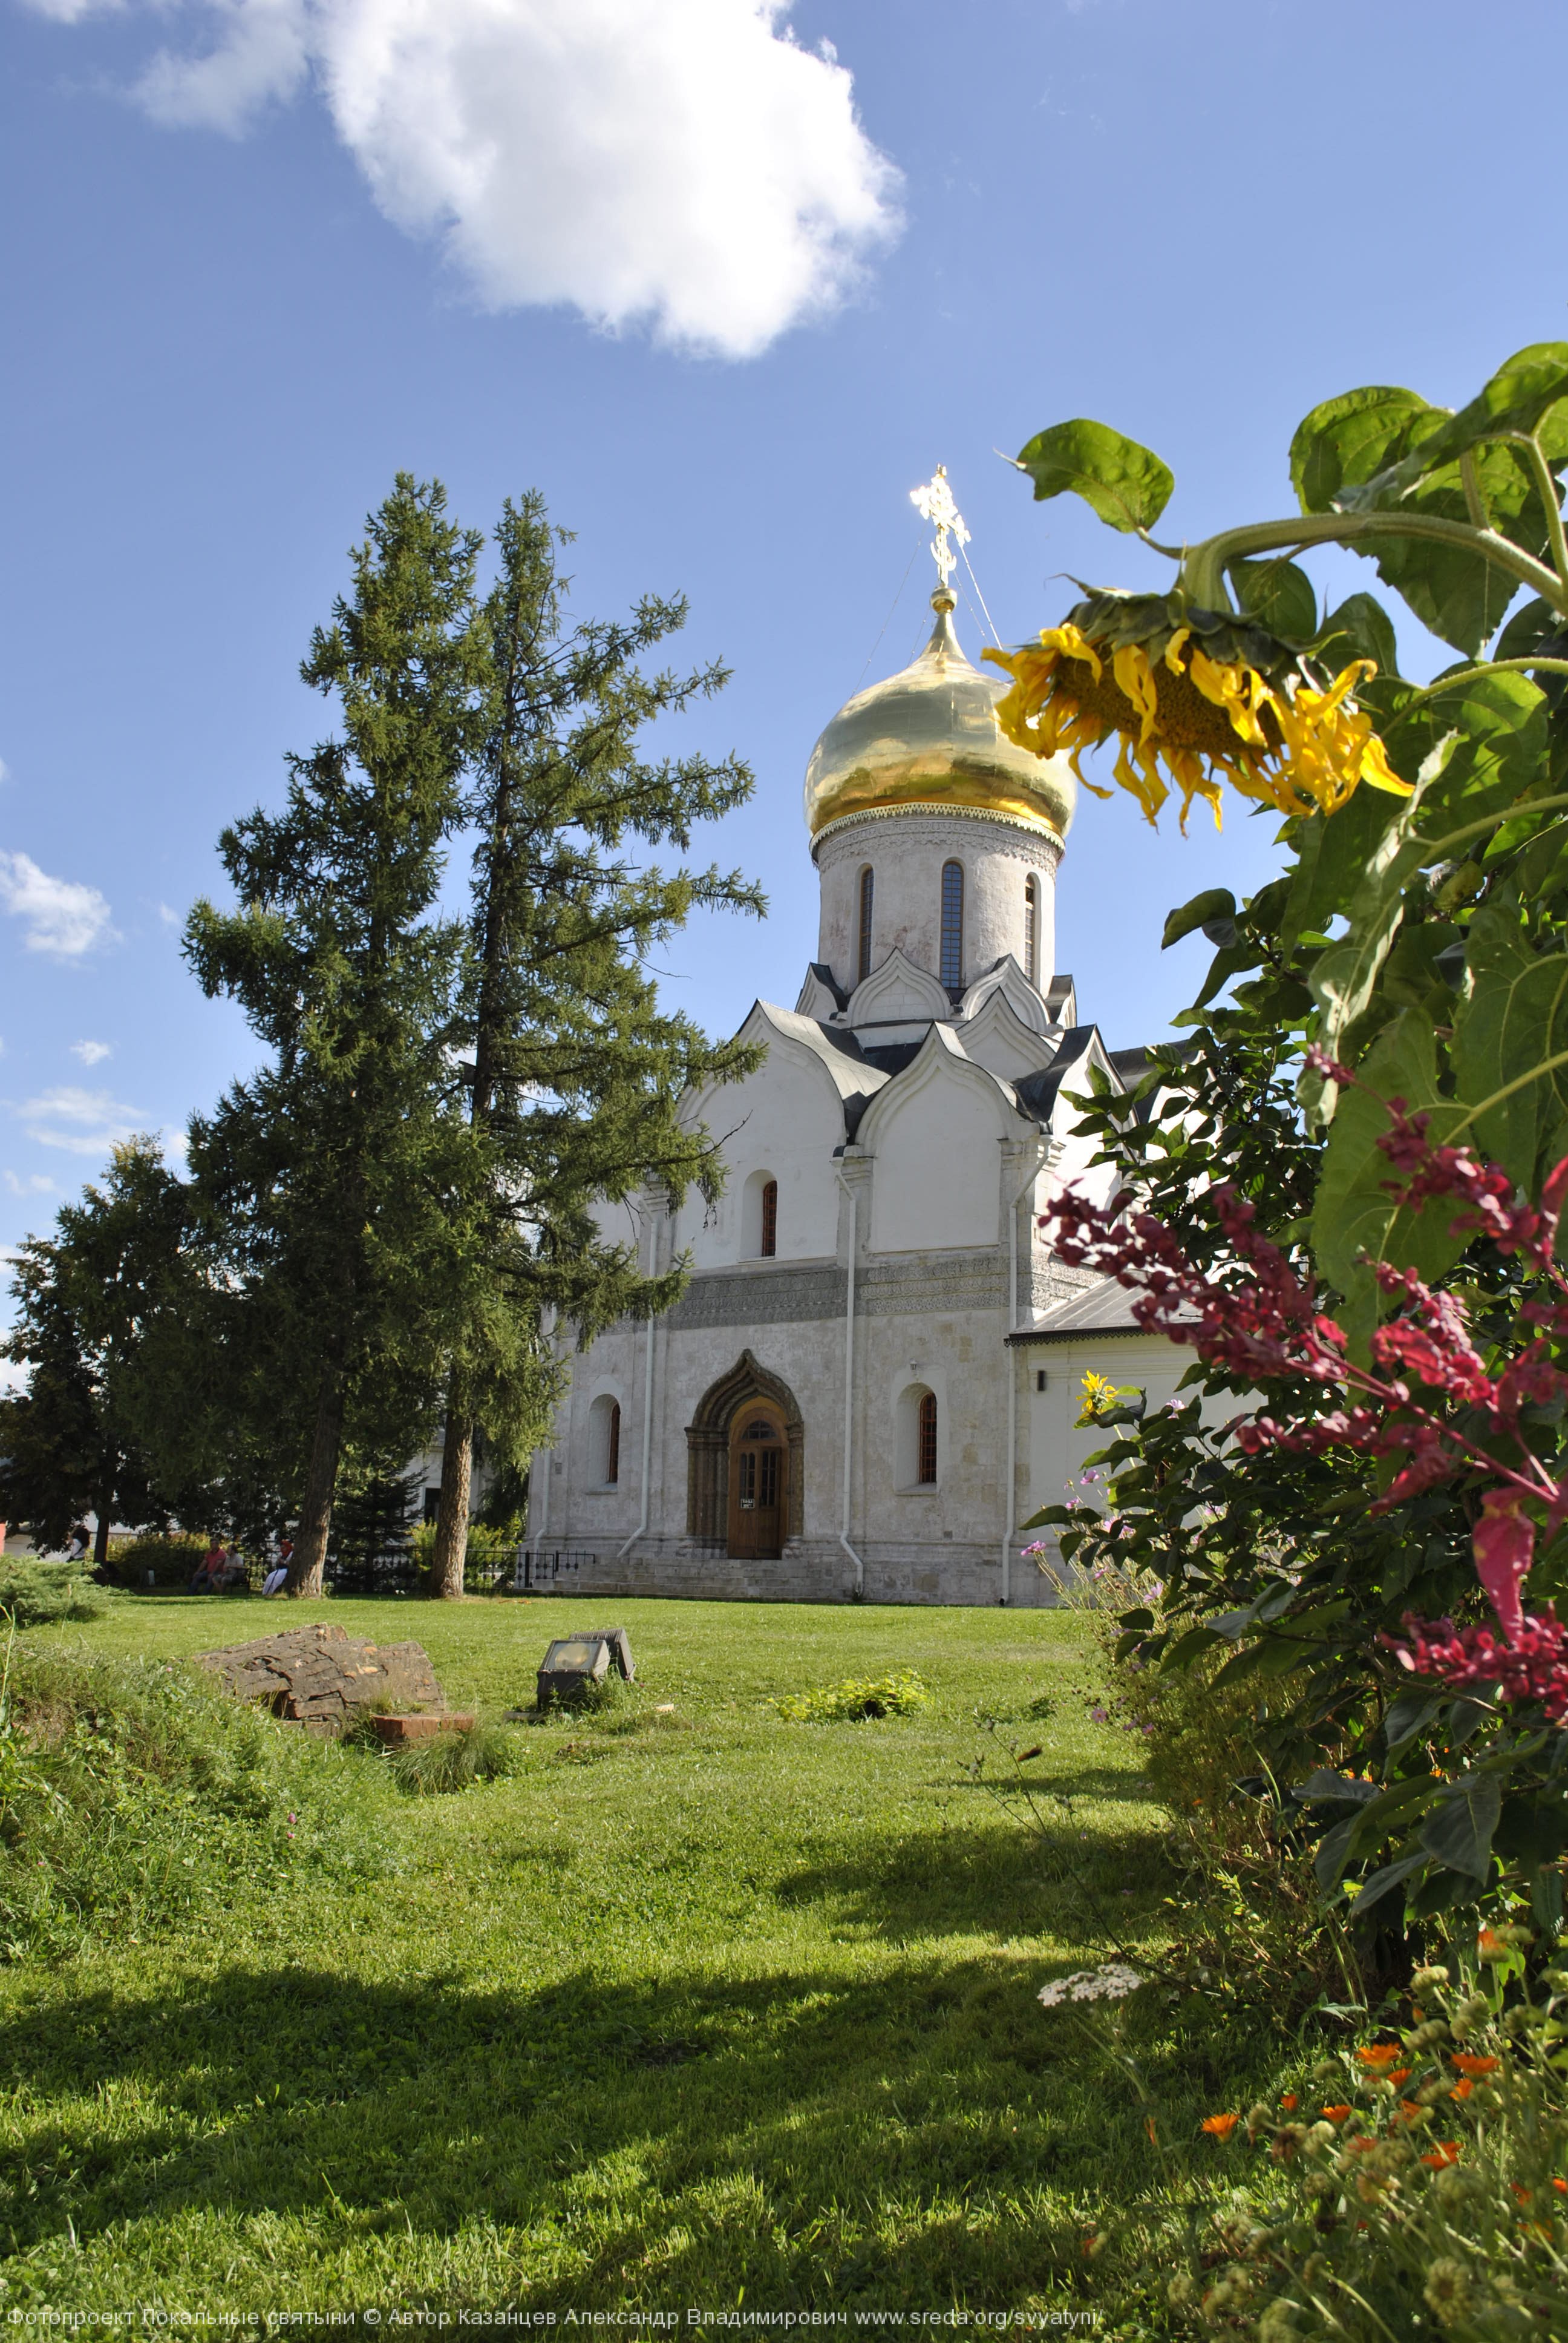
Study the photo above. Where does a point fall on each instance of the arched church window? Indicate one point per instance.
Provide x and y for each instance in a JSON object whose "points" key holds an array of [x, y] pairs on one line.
{"points": [[770, 1245], [604, 1442], [952, 969], [1032, 929], [863, 954], [927, 1451]]}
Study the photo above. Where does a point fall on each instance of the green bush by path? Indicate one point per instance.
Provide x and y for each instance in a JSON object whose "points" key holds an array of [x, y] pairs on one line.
{"points": [[856, 1700], [41, 1593], [694, 2002]]}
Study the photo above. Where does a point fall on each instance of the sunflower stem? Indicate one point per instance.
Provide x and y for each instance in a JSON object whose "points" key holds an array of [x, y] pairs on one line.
{"points": [[1487, 666], [1474, 502], [1209, 559], [1546, 487]]}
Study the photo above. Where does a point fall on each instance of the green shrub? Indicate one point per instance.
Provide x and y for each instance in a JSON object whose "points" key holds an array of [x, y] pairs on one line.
{"points": [[158, 1558], [855, 1700], [143, 1798], [490, 1552], [454, 1760], [37, 1593]]}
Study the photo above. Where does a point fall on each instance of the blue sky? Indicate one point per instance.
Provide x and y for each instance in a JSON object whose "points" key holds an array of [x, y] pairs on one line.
{"points": [[725, 309]]}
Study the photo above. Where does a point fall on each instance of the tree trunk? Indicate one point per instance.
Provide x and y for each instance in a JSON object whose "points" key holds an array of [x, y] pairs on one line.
{"points": [[452, 1514], [308, 1560], [101, 1535]]}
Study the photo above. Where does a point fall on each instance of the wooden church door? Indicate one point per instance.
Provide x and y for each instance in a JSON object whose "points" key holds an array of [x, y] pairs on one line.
{"points": [[759, 1492]]}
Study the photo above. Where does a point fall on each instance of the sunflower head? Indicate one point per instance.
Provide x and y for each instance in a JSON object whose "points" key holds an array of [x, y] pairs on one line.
{"points": [[1198, 696]]}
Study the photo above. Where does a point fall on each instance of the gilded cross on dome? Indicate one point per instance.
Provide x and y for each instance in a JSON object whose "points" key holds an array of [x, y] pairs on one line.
{"points": [[935, 502]]}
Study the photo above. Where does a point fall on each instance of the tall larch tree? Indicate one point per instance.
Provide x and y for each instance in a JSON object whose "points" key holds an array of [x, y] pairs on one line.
{"points": [[338, 1171], [576, 1070]]}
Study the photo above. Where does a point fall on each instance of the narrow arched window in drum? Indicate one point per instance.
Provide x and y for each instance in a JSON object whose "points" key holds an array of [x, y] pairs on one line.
{"points": [[612, 1445], [863, 953], [771, 1219], [927, 1472], [952, 967], [1032, 929]]}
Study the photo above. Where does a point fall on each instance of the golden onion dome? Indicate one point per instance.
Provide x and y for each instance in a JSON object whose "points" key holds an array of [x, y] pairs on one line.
{"points": [[928, 737]]}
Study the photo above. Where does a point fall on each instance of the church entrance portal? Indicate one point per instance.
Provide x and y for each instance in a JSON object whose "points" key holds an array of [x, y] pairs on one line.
{"points": [[746, 1487], [758, 1486]]}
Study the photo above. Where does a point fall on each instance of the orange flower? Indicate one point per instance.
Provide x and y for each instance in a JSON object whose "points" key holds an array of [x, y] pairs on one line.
{"points": [[1380, 2058], [1288, 2101], [1410, 2112], [1335, 2115], [1462, 2090], [1149, 2128], [1561, 2187], [1221, 2126], [1490, 1947], [1468, 2064], [1445, 2152], [1360, 2143], [1520, 2191]]}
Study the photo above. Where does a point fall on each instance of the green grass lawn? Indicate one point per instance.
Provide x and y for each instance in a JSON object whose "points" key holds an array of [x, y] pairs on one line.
{"points": [[696, 2010]]}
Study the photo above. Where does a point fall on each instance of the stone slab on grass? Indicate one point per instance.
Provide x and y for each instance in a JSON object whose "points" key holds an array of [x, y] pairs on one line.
{"points": [[396, 1730], [322, 1677]]}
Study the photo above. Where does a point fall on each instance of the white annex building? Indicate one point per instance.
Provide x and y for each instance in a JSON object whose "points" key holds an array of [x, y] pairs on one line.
{"points": [[873, 1372]]}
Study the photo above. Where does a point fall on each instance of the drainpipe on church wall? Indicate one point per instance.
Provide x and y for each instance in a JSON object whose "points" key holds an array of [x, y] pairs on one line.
{"points": [[850, 1389], [1010, 1499], [536, 1537], [656, 1197]]}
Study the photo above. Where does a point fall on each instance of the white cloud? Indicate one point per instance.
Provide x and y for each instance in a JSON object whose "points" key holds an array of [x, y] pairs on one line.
{"points": [[37, 1184], [170, 919], [63, 916], [96, 1121], [681, 164], [91, 1053]]}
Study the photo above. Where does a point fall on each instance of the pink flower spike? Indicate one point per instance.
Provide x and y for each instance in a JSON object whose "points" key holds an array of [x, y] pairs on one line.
{"points": [[1503, 1543]]}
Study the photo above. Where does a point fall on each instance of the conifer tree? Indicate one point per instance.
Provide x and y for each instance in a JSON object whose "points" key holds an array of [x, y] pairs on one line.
{"points": [[93, 1304], [335, 1173], [576, 1070]]}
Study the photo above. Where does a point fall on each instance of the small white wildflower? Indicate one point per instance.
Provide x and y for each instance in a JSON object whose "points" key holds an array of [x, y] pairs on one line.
{"points": [[1112, 1982]]}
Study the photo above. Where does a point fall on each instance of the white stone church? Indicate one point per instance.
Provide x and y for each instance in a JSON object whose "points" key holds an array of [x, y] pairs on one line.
{"points": [[873, 1373]]}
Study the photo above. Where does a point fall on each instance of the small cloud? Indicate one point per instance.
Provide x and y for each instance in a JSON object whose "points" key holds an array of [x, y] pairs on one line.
{"points": [[37, 1184], [63, 916], [95, 1121], [91, 1053], [4, 771], [175, 1143], [170, 919]]}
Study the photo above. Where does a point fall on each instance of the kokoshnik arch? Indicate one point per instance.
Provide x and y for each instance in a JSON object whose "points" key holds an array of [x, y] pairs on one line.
{"points": [[873, 1373]]}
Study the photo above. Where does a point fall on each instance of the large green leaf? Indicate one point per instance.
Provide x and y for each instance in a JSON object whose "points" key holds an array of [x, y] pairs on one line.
{"points": [[1279, 595], [1355, 1218], [1383, 448], [1343, 977], [1500, 752], [1351, 438], [1460, 1832], [1520, 396], [1358, 629], [1214, 904], [1333, 855], [1515, 1020], [1127, 484]]}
